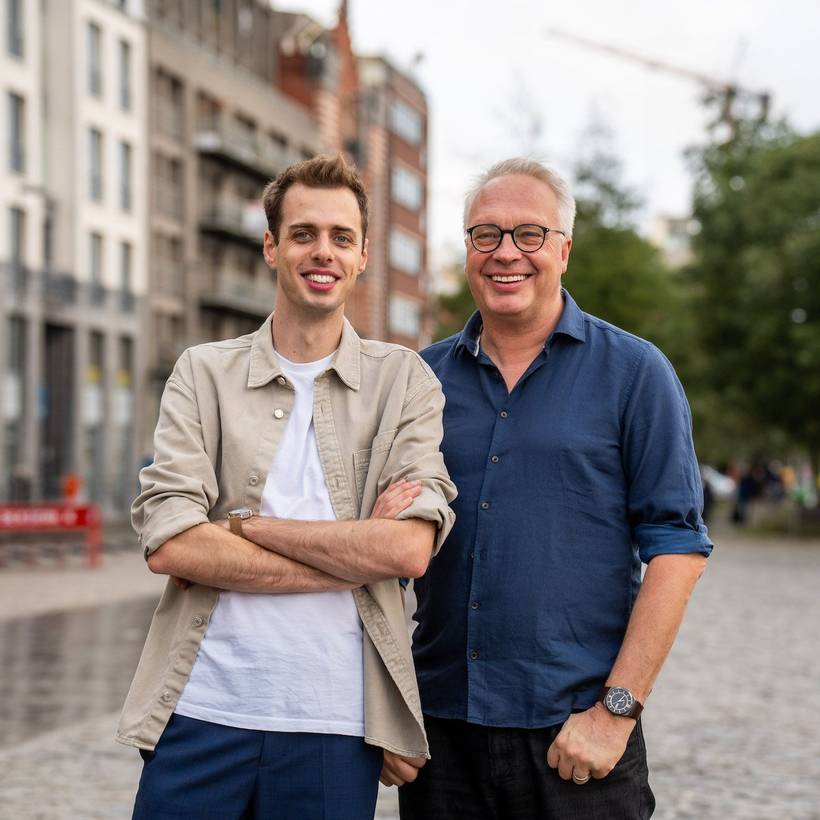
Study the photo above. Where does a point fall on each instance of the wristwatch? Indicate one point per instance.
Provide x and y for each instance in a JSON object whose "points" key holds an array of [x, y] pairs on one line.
{"points": [[236, 517], [620, 701]]}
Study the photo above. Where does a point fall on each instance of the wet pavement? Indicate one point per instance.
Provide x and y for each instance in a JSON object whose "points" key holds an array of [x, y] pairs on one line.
{"points": [[61, 669], [733, 726]]}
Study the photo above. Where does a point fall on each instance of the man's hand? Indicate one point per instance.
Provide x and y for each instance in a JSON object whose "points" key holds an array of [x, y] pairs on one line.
{"points": [[589, 744], [398, 770], [395, 499]]}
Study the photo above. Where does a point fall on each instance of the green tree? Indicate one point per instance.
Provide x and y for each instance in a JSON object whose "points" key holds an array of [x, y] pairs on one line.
{"points": [[757, 285]]}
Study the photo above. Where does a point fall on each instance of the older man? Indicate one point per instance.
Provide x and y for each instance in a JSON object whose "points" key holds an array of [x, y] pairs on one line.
{"points": [[570, 443], [278, 663]]}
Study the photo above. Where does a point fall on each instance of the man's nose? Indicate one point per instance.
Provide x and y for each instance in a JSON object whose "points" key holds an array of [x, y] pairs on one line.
{"points": [[322, 247], [507, 250]]}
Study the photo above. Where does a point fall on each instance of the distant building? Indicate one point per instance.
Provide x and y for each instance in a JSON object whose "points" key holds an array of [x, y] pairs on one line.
{"points": [[672, 235], [377, 116], [220, 130], [72, 246]]}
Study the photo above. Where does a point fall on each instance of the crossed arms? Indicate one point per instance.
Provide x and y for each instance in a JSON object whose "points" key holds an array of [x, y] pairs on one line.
{"points": [[283, 556]]}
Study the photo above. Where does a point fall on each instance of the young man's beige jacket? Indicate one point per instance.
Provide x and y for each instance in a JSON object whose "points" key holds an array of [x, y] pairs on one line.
{"points": [[377, 415]]}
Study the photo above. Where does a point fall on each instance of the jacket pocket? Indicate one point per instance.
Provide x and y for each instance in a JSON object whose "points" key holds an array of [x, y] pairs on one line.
{"points": [[375, 455]]}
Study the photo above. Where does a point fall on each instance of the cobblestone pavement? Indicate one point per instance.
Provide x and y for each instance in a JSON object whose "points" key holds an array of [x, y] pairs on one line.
{"points": [[733, 727]]}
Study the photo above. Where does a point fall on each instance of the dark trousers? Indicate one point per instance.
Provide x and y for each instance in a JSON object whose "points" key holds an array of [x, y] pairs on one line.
{"points": [[487, 773], [204, 771]]}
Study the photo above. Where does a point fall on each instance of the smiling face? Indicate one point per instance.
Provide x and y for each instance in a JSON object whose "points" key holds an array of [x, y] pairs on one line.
{"points": [[319, 252], [508, 283]]}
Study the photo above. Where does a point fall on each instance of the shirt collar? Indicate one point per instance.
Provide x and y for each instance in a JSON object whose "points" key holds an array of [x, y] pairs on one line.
{"points": [[265, 364], [570, 324]]}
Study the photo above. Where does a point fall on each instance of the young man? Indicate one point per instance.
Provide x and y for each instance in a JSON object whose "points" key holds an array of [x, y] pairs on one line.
{"points": [[278, 665], [570, 443]]}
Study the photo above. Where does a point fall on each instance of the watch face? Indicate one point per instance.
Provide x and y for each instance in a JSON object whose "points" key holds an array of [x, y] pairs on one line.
{"points": [[242, 512], [619, 701]]}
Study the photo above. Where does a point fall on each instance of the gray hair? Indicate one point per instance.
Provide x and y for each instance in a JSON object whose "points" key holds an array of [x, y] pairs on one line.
{"points": [[522, 166]]}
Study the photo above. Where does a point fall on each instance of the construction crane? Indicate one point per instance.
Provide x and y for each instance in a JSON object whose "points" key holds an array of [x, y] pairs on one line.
{"points": [[727, 94]]}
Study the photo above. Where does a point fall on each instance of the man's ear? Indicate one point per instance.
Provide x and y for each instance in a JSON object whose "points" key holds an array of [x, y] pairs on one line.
{"points": [[269, 250], [567, 247], [363, 260]]}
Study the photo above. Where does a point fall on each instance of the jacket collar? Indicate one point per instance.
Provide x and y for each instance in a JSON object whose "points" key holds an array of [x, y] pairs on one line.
{"points": [[264, 364]]}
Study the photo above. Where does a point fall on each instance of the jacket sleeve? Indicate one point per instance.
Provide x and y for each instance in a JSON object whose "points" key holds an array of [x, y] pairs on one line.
{"points": [[415, 455], [179, 487]]}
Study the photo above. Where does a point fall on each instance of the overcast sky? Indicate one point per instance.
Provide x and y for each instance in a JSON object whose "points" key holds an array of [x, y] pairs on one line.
{"points": [[489, 69]]}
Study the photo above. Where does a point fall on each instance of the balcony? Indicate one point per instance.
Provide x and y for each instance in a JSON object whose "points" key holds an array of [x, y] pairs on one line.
{"points": [[237, 293], [18, 276], [59, 289], [234, 220], [260, 157]]}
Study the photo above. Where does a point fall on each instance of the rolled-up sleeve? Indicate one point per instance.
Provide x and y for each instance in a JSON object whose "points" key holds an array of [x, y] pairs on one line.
{"points": [[415, 455], [665, 496], [179, 488]]}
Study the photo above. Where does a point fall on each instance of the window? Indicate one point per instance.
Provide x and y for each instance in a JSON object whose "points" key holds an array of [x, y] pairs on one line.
{"points": [[168, 102], [126, 258], [94, 47], [405, 251], [14, 27], [405, 121], [16, 133], [95, 259], [405, 316], [17, 235], [95, 164], [125, 76], [168, 186], [406, 188], [125, 176]]}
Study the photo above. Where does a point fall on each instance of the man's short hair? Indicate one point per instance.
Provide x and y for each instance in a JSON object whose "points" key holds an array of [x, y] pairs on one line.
{"points": [[522, 166], [323, 171]]}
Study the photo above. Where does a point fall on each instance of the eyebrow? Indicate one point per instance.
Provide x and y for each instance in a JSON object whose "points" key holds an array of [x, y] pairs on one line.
{"points": [[310, 225]]}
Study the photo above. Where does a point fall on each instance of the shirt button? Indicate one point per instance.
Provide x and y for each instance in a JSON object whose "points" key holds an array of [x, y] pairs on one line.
{"points": [[166, 696], [197, 620], [281, 379], [474, 655], [494, 459], [278, 413], [485, 505], [474, 605], [253, 480], [503, 414]]}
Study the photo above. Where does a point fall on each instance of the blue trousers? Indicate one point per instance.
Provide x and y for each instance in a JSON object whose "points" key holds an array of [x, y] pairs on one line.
{"points": [[204, 771]]}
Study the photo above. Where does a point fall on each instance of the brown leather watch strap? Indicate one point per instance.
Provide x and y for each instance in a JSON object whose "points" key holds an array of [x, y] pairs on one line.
{"points": [[235, 525]]}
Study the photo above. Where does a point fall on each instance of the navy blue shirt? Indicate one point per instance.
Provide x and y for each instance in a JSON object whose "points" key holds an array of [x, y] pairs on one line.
{"points": [[564, 486]]}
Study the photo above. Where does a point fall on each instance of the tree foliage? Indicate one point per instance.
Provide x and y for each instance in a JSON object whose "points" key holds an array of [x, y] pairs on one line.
{"points": [[757, 284]]}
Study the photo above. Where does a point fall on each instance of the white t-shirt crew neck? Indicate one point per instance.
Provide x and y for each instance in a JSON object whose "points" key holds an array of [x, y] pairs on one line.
{"points": [[284, 662]]}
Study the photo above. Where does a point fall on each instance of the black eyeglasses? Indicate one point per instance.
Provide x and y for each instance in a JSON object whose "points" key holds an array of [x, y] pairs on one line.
{"points": [[527, 238]]}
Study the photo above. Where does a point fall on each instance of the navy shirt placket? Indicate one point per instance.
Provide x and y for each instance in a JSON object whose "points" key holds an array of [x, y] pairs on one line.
{"points": [[478, 646]]}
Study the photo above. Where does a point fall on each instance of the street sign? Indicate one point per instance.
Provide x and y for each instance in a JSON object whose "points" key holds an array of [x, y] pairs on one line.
{"points": [[39, 517]]}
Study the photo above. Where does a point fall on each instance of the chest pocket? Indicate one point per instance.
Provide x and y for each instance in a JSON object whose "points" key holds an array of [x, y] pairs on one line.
{"points": [[368, 465]]}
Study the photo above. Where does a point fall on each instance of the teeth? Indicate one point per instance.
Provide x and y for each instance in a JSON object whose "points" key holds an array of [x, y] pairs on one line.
{"points": [[515, 278], [321, 278]]}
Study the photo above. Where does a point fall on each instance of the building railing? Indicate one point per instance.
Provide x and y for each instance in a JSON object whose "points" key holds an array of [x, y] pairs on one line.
{"points": [[253, 152], [228, 290], [243, 220]]}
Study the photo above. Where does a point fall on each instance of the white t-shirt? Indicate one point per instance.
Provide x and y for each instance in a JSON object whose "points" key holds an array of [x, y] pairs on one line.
{"points": [[285, 663]]}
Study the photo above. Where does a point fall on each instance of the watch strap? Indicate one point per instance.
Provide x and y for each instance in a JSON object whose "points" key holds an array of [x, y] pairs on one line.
{"points": [[235, 525]]}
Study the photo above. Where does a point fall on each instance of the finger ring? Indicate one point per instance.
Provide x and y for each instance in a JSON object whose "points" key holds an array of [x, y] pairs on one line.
{"points": [[579, 780]]}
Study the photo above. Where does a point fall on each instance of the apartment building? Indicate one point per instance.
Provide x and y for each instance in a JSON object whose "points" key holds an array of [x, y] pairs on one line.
{"points": [[393, 134], [220, 129], [72, 247], [377, 116]]}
